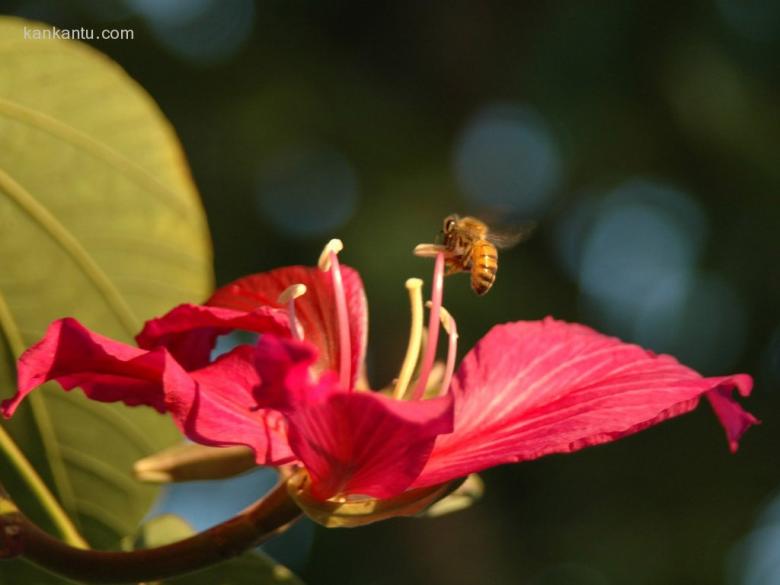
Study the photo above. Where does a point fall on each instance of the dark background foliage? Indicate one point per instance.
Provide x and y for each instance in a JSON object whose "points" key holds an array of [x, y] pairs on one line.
{"points": [[642, 138]]}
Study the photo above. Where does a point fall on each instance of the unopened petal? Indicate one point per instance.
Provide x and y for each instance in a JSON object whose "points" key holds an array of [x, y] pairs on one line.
{"points": [[191, 462]]}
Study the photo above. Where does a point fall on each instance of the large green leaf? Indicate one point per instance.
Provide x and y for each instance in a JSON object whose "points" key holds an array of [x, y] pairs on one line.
{"points": [[251, 568], [99, 219]]}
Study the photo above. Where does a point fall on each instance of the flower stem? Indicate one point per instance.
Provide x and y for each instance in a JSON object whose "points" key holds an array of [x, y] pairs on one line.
{"points": [[261, 521]]}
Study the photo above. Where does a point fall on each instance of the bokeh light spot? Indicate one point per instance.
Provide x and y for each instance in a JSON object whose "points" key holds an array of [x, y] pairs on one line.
{"points": [[640, 250], [635, 254], [758, 20], [199, 31], [307, 192], [756, 559], [507, 160]]}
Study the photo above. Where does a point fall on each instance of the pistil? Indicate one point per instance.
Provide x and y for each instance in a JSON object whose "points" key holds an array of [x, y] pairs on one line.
{"points": [[329, 262], [288, 297], [433, 327], [448, 322], [414, 286]]}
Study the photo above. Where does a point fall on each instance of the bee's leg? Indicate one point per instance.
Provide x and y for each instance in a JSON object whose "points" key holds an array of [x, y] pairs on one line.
{"points": [[451, 267]]}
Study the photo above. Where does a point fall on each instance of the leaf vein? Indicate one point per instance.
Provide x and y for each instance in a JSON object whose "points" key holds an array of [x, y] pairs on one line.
{"points": [[70, 244]]}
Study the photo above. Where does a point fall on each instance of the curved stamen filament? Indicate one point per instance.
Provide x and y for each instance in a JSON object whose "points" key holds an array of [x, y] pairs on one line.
{"points": [[414, 286], [288, 297], [448, 322], [329, 261], [433, 327]]}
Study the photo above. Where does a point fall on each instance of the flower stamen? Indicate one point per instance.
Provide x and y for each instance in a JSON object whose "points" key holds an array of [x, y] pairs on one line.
{"points": [[288, 297], [414, 286], [448, 322], [433, 327], [329, 262]]}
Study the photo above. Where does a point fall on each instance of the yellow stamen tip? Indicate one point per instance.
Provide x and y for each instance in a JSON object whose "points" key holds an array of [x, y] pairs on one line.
{"points": [[444, 316], [428, 250], [291, 292], [335, 246], [414, 283]]}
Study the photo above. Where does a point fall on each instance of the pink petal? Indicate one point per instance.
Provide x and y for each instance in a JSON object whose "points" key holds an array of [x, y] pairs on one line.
{"points": [[214, 405], [189, 332], [365, 443], [533, 388], [731, 415], [107, 370], [316, 310], [350, 442], [283, 367]]}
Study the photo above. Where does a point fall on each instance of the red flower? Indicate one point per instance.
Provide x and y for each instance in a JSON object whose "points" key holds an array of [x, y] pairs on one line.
{"points": [[525, 390]]}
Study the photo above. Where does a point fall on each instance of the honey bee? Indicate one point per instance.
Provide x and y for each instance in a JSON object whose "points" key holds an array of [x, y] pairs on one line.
{"points": [[469, 245]]}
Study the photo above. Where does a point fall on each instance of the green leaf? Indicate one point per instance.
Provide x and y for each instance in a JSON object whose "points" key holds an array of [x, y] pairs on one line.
{"points": [[250, 569], [100, 220], [253, 568], [162, 530], [20, 571]]}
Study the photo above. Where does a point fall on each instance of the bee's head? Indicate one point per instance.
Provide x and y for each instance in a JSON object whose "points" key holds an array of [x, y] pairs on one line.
{"points": [[449, 223]]}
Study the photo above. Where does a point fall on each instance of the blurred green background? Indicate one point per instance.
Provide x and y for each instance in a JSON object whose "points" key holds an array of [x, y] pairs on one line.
{"points": [[641, 137]]}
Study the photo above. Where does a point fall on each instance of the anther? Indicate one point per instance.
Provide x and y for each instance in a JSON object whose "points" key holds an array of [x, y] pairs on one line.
{"points": [[329, 262], [288, 297], [428, 250], [414, 286], [333, 247]]}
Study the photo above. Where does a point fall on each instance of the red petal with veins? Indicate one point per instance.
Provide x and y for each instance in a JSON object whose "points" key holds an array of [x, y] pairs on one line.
{"points": [[529, 389], [731, 415], [189, 332], [213, 405], [316, 310], [350, 442], [365, 443], [107, 370], [216, 406]]}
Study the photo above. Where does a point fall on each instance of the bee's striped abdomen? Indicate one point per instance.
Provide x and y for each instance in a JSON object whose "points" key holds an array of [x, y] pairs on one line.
{"points": [[484, 264]]}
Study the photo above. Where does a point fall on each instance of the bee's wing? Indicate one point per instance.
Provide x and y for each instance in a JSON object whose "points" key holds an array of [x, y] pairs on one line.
{"points": [[508, 238]]}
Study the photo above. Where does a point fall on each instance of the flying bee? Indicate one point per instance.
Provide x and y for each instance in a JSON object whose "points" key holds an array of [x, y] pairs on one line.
{"points": [[469, 245]]}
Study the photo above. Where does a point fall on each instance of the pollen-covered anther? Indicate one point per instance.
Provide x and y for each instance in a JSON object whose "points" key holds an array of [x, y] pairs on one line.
{"points": [[333, 247], [428, 250], [414, 286], [288, 297], [291, 292], [448, 322]]}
